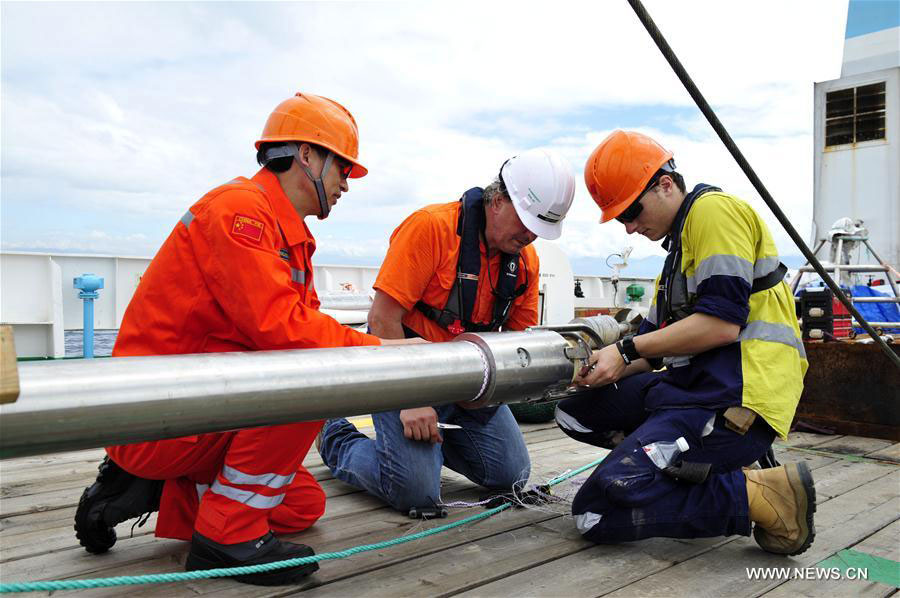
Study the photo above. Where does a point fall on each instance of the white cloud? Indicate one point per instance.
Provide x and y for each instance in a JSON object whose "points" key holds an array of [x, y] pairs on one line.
{"points": [[129, 112], [91, 241]]}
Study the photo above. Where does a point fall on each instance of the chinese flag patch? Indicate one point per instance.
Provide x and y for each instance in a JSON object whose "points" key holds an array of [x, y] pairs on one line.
{"points": [[247, 227]]}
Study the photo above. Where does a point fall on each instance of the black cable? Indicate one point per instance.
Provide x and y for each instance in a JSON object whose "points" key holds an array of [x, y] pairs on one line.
{"points": [[707, 111]]}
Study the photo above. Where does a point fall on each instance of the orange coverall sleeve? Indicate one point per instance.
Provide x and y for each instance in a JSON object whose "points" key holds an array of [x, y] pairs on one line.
{"points": [[525, 309], [252, 283], [412, 259]]}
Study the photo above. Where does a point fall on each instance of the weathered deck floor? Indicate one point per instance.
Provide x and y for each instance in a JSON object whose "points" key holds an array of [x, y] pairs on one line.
{"points": [[515, 553]]}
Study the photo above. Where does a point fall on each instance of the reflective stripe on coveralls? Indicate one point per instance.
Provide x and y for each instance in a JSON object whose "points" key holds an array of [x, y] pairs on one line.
{"points": [[272, 480], [251, 499]]}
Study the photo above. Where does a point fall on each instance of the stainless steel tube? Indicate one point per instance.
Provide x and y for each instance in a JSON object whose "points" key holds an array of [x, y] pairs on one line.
{"points": [[76, 404], [522, 365]]}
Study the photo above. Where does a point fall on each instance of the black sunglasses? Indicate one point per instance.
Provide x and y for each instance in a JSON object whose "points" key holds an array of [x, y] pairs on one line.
{"points": [[631, 213]]}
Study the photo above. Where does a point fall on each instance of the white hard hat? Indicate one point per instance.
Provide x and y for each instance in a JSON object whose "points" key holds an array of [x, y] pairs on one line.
{"points": [[541, 186]]}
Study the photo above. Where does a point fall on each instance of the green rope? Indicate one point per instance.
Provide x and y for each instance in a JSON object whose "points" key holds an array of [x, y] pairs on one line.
{"points": [[106, 582]]}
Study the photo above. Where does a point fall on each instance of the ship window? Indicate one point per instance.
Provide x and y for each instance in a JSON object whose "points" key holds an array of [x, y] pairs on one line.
{"points": [[855, 114]]}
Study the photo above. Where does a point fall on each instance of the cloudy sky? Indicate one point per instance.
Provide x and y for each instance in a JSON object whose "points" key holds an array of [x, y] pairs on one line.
{"points": [[116, 117]]}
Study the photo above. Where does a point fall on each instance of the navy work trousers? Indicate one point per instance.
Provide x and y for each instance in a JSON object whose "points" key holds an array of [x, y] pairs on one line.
{"points": [[627, 497]]}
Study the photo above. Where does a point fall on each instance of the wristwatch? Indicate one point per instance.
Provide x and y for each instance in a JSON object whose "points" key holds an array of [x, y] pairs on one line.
{"points": [[628, 350]]}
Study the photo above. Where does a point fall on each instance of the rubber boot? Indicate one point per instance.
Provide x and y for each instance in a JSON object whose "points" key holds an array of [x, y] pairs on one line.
{"points": [[115, 497], [782, 502], [207, 554]]}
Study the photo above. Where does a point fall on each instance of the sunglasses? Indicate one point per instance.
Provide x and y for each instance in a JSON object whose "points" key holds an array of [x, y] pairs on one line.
{"points": [[344, 167], [631, 213]]}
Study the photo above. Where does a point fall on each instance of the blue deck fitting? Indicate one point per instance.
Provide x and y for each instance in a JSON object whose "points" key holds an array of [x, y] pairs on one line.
{"points": [[88, 285]]}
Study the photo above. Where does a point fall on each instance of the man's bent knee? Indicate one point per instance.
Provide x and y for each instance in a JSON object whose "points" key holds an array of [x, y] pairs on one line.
{"points": [[585, 523], [406, 498], [574, 428], [404, 489], [569, 424], [302, 508]]}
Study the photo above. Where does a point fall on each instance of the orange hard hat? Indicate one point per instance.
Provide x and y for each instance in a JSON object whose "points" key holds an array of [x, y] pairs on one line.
{"points": [[618, 170], [319, 120]]}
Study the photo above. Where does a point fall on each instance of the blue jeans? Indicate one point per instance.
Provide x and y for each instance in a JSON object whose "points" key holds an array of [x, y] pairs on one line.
{"points": [[628, 497], [407, 473]]}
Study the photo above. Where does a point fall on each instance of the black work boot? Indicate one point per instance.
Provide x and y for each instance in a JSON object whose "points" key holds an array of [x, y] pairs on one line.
{"points": [[206, 554], [115, 497]]}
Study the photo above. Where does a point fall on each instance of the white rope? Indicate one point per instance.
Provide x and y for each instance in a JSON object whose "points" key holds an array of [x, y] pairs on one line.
{"points": [[486, 368]]}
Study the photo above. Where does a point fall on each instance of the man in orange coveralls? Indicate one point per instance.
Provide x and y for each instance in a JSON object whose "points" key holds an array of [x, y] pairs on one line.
{"points": [[235, 275]]}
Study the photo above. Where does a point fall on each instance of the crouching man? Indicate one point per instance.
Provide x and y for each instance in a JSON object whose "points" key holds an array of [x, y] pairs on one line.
{"points": [[466, 265], [724, 325], [236, 274]]}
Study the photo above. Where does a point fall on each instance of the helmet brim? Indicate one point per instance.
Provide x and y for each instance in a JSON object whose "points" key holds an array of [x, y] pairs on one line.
{"points": [[545, 230], [613, 211]]}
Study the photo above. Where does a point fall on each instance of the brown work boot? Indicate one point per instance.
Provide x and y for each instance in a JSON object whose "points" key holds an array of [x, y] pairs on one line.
{"points": [[782, 502]]}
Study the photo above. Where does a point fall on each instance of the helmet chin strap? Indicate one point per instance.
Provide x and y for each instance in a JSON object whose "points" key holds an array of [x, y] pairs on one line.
{"points": [[324, 208]]}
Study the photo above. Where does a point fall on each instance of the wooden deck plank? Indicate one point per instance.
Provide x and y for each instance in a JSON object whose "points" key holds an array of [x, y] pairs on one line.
{"points": [[890, 453], [604, 569], [325, 537], [462, 567], [336, 509], [518, 552], [94, 455], [21, 524], [352, 526], [57, 472], [337, 570], [589, 568], [433, 582], [57, 534], [540, 436], [61, 536], [884, 543], [854, 445], [172, 559], [597, 570], [841, 477], [840, 522], [813, 461], [806, 439]]}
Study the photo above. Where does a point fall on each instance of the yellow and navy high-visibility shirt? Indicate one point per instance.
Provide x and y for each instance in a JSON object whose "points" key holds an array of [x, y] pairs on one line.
{"points": [[725, 245]]}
